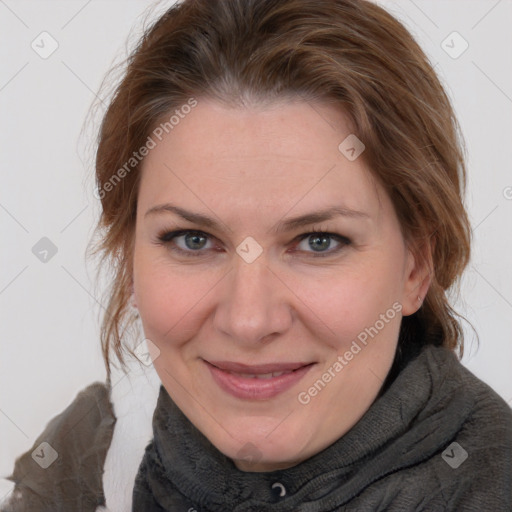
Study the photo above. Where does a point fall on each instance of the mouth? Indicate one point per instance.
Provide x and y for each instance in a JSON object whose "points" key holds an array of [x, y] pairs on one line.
{"points": [[257, 382]]}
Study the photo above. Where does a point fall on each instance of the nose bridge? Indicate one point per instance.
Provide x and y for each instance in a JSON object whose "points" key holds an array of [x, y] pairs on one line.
{"points": [[254, 304]]}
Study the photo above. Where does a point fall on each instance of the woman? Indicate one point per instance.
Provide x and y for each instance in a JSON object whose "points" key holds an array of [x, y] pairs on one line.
{"points": [[281, 186]]}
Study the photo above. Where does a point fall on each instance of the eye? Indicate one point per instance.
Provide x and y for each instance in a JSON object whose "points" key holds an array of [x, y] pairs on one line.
{"points": [[321, 243], [198, 243], [186, 241]]}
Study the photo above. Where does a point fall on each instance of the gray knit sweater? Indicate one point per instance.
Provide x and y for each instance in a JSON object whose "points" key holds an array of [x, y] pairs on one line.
{"points": [[437, 439]]}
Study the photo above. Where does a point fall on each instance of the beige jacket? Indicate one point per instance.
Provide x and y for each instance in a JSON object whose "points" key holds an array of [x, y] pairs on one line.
{"points": [[89, 454]]}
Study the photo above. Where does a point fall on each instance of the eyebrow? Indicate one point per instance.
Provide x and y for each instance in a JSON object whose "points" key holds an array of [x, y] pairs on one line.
{"points": [[281, 226]]}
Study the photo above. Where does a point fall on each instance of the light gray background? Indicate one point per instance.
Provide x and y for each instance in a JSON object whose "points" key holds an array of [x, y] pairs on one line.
{"points": [[49, 348]]}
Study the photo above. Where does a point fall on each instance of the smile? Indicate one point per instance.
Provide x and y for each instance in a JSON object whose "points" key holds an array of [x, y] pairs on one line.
{"points": [[256, 382]]}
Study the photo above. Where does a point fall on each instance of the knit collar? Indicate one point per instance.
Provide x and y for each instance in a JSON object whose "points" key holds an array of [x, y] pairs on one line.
{"points": [[405, 425]]}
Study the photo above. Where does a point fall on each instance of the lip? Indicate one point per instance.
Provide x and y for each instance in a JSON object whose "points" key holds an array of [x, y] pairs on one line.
{"points": [[230, 377]]}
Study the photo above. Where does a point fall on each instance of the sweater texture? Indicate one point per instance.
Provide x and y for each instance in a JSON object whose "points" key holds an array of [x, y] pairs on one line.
{"points": [[437, 439]]}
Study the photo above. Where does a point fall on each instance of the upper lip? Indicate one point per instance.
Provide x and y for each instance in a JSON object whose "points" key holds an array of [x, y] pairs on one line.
{"points": [[231, 366]]}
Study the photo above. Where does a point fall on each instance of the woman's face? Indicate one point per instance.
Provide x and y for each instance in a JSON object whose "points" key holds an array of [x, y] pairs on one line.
{"points": [[271, 273]]}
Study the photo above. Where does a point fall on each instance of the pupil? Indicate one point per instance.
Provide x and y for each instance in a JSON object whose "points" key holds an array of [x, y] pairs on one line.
{"points": [[319, 242], [195, 241]]}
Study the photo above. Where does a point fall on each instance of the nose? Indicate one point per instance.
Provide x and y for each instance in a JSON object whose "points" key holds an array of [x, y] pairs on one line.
{"points": [[254, 305]]}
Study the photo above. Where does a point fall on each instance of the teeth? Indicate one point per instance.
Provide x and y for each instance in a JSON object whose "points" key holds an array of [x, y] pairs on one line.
{"points": [[260, 375]]}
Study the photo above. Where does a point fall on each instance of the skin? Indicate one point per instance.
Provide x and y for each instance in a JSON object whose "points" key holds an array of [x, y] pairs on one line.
{"points": [[249, 168]]}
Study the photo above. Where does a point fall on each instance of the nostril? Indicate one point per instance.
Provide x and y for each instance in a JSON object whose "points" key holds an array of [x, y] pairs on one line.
{"points": [[268, 337]]}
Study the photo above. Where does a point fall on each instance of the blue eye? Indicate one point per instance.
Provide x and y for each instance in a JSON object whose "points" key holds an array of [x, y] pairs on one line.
{"points": [[322, 243], [186, 240], [197, 243], [194, 241]]}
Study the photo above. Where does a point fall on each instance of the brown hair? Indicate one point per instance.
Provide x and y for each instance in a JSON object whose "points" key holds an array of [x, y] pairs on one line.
{"points": [[351, 53]]}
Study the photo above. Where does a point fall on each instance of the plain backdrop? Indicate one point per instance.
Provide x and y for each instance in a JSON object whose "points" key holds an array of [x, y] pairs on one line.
{"points": [[49, 344]]}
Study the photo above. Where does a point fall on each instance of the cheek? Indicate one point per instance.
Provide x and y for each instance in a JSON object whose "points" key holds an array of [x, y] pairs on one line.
{"points": [[172, 299], [348, 302], [166, 298]]}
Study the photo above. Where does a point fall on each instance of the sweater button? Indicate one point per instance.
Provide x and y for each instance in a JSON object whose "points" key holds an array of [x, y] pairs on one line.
{"points": [[279, 489]]}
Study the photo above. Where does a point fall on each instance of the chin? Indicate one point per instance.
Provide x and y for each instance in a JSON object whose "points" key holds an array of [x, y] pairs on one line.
{"points": [[257, 451], [263, 458]]}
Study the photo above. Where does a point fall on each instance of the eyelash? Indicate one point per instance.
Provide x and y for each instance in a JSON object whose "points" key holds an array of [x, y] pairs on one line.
{"points": [[166, 238]]}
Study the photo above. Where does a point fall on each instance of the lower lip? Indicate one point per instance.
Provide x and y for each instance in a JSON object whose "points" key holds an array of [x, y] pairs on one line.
{"points": [[250, 388]]}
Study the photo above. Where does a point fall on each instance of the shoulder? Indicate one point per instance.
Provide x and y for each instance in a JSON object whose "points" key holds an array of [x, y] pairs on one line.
{"points": [[488, 411], [485, 444], [474, 466], [63, 469], [84, 449], [482, 417], [455, 451]]}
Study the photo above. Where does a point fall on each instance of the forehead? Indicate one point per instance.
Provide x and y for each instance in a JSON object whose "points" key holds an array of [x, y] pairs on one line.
{"points": [[276, 156]]}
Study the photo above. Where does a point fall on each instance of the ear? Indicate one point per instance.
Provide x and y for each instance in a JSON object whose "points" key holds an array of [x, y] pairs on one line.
{"points": [[418, 276]]}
